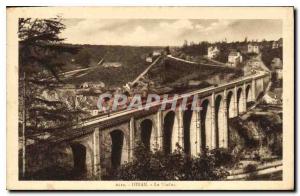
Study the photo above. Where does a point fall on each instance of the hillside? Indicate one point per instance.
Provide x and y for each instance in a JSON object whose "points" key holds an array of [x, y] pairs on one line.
{"points": [[130, 58], [116, 66], [173, 75]]}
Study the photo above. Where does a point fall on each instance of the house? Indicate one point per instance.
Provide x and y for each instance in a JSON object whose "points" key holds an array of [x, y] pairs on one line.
{"points": [[94, 111], [212, 52], [156, 53], [278, 72], [111, 64], [91, 87], [277, 44], [276, 65], [253, 48], [149, 59], [85, 85], [235, 58], [280, 42]]}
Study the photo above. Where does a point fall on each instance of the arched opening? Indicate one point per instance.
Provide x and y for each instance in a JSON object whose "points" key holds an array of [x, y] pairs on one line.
{"points": [[239, 101], [248, 93], [79, 158], [220, 118], [187, 118], [248, 96], [117, 138], [230, 105], [167, 132], [146, 130], [205, 124]]}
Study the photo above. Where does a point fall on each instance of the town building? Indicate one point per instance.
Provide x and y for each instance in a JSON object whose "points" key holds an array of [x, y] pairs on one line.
{"points": [[277, 44], [253, 48], [94, 111], [212, 52], [235, 58]]}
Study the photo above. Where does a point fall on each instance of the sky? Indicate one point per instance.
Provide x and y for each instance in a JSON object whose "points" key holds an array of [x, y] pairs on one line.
{"points": [[167, 32]]}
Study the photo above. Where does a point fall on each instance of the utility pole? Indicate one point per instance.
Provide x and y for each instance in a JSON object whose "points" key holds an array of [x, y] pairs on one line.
{"points": [[23, 129]]}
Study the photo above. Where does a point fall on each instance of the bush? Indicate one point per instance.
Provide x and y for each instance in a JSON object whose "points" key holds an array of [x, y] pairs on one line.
{"points": [[224, 158], [251, 169], [156, 165]]}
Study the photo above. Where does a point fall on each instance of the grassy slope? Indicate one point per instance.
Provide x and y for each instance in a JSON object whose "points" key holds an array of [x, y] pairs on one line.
{"points": [[131, 57]]}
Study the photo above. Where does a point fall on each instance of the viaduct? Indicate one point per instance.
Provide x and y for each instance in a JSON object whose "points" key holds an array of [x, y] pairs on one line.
{"points": [[105, 142]]}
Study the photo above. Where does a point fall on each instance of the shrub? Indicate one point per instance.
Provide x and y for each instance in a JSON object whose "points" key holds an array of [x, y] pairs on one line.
{"points": [[251, 169], [224, 158], [156, 165]]}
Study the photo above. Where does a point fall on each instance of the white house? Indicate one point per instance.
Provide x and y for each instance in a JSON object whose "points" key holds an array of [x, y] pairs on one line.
{"points": [[111, 64], [156, 53], [94, 111], [149, 59], [277, 44], [85, 85], [253, 48], [234, 58], [212, 52]]}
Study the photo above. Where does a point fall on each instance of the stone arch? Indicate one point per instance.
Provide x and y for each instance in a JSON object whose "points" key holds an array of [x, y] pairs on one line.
{"points": [[168, 132], [79, 152], [146, 132], [220, 120], [187, 121], [206, 126], [117, 146], [230, 105], [239, 100]]}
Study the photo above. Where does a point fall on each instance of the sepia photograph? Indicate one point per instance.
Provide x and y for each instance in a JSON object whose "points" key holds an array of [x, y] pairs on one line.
{"points": [[189, 98]]}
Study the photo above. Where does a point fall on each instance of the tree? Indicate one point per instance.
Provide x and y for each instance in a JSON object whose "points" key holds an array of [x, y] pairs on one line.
{"points": [[196, 49], [148, 165], [167, 50], [41, 110], [185, 43], [268, 54], [224, 52], [83, 58]]}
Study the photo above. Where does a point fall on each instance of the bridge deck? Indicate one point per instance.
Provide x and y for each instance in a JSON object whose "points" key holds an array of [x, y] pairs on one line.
{"points": [[208, 90]]}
